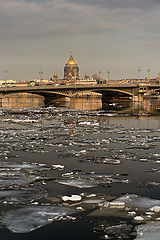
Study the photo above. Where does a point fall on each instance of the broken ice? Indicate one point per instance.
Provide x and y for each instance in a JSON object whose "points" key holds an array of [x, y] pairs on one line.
{"points": [[135, 201], [148, 231], [73, 198], [78, 183], [27, 219], [21, 195]]}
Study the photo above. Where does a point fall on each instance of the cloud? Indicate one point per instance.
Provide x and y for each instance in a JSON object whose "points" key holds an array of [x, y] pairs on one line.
{"points": [[38, 28], [135, 4], [37, 18]]}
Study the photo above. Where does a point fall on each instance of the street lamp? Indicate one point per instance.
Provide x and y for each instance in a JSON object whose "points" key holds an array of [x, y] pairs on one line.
{"points": [[139, 74], [5, 76], [99, 75], [108, 73], [41, 75], [148, 71]]}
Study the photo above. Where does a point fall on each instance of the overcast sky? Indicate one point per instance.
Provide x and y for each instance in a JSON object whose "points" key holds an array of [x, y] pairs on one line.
{"points": [[119, 35]]}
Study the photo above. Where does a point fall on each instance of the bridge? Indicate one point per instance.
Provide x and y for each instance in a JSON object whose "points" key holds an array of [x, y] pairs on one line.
{"points": [[134, 92]]}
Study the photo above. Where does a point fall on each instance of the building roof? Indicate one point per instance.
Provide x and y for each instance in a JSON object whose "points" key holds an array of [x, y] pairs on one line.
{"points": [[71, 60]]}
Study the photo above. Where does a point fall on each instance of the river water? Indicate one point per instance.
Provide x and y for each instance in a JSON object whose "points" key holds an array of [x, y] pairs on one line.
{"points": [[80, 169]]}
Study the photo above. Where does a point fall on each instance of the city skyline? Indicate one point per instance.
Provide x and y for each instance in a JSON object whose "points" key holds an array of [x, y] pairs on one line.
{"points": [[116, 35]]}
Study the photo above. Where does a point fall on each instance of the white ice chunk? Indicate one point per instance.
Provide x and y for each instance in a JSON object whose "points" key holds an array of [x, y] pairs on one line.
{"points": [[132, 213], [155, 209], [136, 201], [58, 166], [30, 218], [150, 231], [89, 123], [117, 204], [138, 219], [111, 161], [94, 201], [73, 198]]}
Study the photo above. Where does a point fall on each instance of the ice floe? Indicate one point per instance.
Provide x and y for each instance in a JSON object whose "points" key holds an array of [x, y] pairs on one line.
{"points": [[21, 195], [138, 219], [136, 201], [149, 231], [78, 183], [27, 219], [73, 198]]}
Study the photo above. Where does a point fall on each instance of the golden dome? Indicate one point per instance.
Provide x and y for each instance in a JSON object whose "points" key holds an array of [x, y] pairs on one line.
{"points": [[71, 61]]}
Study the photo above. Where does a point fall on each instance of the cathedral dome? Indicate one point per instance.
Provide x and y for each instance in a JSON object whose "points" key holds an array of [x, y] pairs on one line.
{"points": [[71, 61], [71, 69]]}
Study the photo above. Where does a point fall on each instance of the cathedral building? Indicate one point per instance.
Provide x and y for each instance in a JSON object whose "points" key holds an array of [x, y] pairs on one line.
{"points": [[71, 69], [71, 74]]}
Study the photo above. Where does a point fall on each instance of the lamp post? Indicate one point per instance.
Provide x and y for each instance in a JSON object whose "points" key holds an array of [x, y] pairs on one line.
{"points": [[41, 75], [5, 76], [139, 74], [108, 73], [148, 71], [99, 76]]}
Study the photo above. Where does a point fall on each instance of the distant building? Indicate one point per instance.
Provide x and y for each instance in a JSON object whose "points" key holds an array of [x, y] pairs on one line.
{"points": [[158, 78], [71, 74], [71, 69], [7, 82], [86, 81], [55, 77]]}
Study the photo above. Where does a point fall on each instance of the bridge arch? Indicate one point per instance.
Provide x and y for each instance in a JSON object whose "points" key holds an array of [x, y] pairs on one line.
{"points": [[153, 90], [104, 92], [115, 93]]}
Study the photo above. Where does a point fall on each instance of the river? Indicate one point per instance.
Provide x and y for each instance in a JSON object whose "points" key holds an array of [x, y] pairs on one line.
{"points": [[80, 169]]}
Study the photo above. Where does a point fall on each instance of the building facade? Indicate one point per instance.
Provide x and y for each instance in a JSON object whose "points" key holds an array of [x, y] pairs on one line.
{"points": [[71, 69]]}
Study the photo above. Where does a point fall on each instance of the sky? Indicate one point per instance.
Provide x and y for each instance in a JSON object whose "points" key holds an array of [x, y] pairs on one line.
{"points": [[116, 35]]}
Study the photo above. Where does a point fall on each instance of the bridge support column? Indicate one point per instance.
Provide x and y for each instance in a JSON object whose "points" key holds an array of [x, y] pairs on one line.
{"points": [[137, 98]]}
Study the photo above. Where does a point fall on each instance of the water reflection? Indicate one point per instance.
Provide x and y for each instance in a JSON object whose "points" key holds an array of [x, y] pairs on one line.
{"points": [[81, 103], [122, 108], [21, 100]]}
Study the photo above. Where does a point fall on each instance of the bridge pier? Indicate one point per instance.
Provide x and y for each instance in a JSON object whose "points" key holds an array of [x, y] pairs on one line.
{"points": [[137, 98]]}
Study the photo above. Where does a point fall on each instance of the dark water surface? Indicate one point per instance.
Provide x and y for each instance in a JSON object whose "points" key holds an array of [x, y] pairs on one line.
{"points": [[80, 170]]}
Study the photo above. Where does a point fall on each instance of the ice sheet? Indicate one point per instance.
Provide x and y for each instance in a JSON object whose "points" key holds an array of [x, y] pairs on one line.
{"points": [[30, 218]]}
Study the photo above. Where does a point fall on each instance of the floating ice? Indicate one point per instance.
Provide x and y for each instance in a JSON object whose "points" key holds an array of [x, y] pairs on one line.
{"points": [[24, 165], [21, 195], [20, 180], [120, 231], [155, 209], [94, 201], [111, 161], [138, 219], [136, 201], [74, 198], [58, 166], [14, 181], [117, 204], [132, 213], [78, 183], [30, 218], [87, 180], [148, 231], [89, 123]]}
